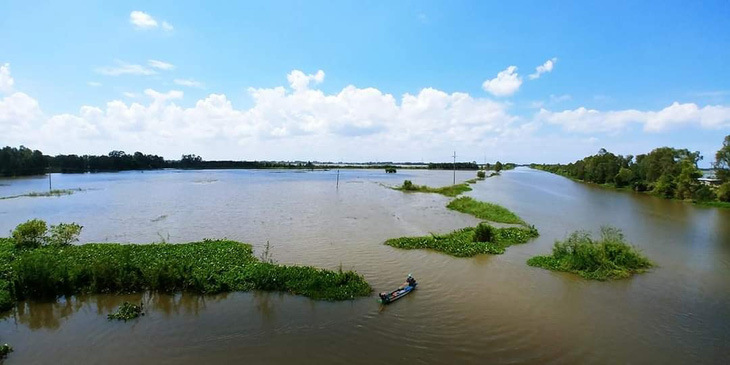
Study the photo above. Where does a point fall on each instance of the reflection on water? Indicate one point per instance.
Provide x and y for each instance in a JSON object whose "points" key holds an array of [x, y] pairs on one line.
{"points": [[492, 309]]}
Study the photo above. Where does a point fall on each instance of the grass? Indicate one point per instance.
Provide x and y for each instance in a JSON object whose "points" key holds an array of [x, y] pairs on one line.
{"points": [[462, 243], [473, 181], [483, 210], [609, 257], [54, 192], [199, 267], [127, 311], [450, 191]]}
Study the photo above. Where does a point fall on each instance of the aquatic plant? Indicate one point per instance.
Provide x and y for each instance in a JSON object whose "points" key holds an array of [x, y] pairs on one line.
{"points": [[127, 311], [451, 191], [484, 233], [5, 349], [610, 257], [471, 181], [463, 243], [483, 210]]}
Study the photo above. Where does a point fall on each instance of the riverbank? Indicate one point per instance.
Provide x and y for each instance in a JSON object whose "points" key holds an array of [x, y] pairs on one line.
{"points": [[210, 266]]}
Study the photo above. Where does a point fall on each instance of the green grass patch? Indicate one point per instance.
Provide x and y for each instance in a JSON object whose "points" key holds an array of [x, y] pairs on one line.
{"points": [[199, 267], [609, 257], [483, 210], [472, 181], [451, 191], [462, 242], [54, 192]]}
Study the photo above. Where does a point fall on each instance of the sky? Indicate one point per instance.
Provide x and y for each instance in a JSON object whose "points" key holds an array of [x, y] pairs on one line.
{"points": [[358, 81]]}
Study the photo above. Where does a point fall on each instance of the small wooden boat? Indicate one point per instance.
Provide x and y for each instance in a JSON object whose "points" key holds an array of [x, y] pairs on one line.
{"points": [[387, 298]]}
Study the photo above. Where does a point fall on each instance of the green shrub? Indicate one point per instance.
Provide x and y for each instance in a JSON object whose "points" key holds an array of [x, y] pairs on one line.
{"points": [[481, 174], [408, 185], [5, 349], [611, 257], [723, 192], [31, 234], [484, 233], [64, 234]]}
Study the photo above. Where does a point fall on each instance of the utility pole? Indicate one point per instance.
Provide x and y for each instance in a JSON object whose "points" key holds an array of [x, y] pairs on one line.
{"points": [[338, 179], [50, 188], [454, 168]]}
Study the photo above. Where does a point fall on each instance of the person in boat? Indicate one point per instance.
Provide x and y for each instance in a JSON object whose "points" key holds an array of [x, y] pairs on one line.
{"points": [[410, 281]]}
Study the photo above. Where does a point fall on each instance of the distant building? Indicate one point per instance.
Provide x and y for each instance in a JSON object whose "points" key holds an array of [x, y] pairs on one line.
{"points": [[710, 181]]}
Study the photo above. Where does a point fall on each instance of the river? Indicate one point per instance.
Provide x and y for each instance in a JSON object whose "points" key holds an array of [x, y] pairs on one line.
{"points": [[485, 309]]}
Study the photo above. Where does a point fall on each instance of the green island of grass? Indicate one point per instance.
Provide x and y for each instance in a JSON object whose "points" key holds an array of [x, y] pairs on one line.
{"points": [[450, 191], [127, 311], [210, 266], [609, 257], [470, 241], [483, 210], [54, 192]]}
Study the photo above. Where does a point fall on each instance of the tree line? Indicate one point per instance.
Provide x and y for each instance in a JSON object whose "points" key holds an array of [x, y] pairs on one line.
{"points": [[667, 172], [24, 161]]}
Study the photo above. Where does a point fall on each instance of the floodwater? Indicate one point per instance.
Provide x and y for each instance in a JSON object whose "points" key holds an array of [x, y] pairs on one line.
{"points": [[485, 309]]}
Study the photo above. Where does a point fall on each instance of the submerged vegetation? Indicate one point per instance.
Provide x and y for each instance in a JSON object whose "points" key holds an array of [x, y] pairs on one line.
{"points": [[609, 257], [5, 349], [451, 191], [127, 311], [470, 241], [54, 192], [482, 210], [35, 267]]}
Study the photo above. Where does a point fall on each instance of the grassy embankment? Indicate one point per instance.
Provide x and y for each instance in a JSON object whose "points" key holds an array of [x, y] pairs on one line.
{"points": [[471, 241], [609, 257], [199, 267], [450, 191], [54, 192]]}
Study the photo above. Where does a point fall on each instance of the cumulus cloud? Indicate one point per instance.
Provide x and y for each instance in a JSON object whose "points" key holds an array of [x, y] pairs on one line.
{"points": [[544, 68], [143, 21], [299, 81], [189, 83], [160, 65], [674, 116], [6, 81], [506, 83]]}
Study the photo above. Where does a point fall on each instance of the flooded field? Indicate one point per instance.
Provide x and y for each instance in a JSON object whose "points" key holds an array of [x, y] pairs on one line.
{"points": [[492, 309]]}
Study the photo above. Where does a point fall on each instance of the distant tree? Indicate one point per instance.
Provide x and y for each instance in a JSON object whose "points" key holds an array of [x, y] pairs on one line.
{"points": [[498, 166], [687, 183], [723, 192], [624, 177], [722, 161], [665, 186], [481, 174]]}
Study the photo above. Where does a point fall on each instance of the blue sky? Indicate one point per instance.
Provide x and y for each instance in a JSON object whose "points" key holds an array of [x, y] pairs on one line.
{"points": [[401, 80]]}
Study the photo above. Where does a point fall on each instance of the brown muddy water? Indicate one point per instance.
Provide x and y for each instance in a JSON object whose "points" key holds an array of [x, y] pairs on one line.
{"points": [[486, 309]]}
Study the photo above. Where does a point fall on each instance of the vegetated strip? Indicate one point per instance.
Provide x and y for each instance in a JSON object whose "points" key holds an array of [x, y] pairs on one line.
{"points": [[450, 191], [483, 210], [54, 192], [200, 267], [468, 241], [610, 257]]}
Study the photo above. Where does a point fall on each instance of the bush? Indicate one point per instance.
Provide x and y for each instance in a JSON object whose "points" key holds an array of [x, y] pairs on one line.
{"points": [[481, 174], [484, 233], [64, 234], [611, 257], [31, 234], [723, 192], [5, 350], [408, 185]]}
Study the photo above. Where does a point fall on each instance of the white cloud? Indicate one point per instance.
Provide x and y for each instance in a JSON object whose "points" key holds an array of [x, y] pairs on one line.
{"points": [[130, 95], [6, 81], [142, 20], [160, 65], [299, 81], [676, 115], [93, 83], [506, 83], [189, 83], [544, 68], [123, 68]]}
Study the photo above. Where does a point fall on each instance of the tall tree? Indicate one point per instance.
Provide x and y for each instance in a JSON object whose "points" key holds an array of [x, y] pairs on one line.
{"points": [[722, 161]]}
